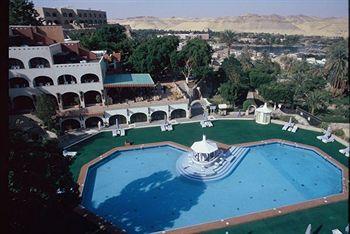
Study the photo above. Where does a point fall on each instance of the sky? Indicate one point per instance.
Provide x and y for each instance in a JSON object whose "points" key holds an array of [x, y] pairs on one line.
{"points": [[205, 8]]}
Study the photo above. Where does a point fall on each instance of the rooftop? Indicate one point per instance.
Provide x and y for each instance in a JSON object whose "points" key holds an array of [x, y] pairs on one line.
{"points": [[128, 80]]}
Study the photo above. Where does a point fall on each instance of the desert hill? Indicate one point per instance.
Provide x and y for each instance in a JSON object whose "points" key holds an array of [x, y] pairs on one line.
{"points": [[296, 24]]}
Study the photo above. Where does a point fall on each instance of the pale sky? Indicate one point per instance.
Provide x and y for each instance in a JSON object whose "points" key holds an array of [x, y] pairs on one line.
{"points": [[205, 8]]}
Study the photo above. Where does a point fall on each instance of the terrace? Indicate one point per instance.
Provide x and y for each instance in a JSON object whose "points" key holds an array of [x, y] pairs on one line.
{"points": [[324, 218], [133, 94]]}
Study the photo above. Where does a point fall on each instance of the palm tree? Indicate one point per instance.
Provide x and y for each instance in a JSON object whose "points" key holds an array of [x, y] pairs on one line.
{"points": [[336, 67], [228, 37], [315, 100]]}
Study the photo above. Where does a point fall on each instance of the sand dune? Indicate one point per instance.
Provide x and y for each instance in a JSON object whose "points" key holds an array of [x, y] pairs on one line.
{"points": [[297, 24]]}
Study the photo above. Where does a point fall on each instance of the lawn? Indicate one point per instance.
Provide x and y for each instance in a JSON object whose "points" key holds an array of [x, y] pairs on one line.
{"points": [[231, 132]]}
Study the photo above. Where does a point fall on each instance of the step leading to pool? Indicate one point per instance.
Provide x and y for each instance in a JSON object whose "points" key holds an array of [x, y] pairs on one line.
{"points": [[220, 169]]}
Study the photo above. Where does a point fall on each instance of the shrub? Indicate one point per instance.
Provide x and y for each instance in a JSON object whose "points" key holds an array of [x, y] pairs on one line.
{"points": [[339, 132], [247, 103]]}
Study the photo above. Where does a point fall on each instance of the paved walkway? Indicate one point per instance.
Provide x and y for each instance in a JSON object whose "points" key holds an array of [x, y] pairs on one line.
{"points": [[76, 136]]}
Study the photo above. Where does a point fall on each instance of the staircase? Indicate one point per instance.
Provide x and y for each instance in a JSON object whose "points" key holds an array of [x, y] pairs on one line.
{"points": [[223, 166]]}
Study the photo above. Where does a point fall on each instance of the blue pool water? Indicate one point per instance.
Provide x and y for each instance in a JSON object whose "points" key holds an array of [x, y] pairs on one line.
{"points": [[141, 192]]}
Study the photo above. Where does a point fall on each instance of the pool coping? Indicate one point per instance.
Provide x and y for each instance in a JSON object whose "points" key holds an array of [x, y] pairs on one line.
{"points": [[105, 225]]}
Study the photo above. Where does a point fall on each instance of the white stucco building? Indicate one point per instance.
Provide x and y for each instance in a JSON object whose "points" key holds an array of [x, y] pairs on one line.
{"points": [[84, 90]]}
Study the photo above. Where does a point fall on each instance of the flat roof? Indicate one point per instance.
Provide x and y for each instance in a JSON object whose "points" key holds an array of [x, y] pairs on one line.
{"points": [[128, 80]]}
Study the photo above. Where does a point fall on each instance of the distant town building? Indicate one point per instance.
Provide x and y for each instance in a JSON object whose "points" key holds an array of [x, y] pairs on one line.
{"points": [[69, 18], [188, 36]]}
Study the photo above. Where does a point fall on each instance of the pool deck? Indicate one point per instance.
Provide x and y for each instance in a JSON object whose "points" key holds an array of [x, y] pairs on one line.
{"points": [[223, 222]]}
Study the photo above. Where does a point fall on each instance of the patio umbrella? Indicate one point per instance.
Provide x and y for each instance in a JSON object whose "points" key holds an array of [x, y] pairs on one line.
{"points": [[308, 229]]}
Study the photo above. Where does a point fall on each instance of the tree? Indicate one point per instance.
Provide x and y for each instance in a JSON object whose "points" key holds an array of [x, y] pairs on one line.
{"points": [[258, 77], [42, 191], [22, 12], [336, 67], [232, 69], [46, 110], [154, 56], [232, 92], [228, 37], [245, 60], [193, 59], [277, 92], [316, 100]]}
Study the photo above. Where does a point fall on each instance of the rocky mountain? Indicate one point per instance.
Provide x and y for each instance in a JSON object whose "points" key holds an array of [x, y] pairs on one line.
{"points": [[295, 24]]}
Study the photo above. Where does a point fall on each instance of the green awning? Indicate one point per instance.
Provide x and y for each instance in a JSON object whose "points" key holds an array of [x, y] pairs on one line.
{"points": [[128, 80]]}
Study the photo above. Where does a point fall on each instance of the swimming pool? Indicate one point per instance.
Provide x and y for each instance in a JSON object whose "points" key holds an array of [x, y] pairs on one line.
{"points": [[140, 191]]}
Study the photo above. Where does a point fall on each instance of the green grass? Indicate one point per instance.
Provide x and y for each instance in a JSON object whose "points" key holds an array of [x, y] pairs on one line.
{"points": [[231, 132], [323, 219]]}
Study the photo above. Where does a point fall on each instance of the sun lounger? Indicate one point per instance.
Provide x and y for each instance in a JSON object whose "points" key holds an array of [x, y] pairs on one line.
{"points": [[294, 129], [114, 132], [209, 124], [330, 139], [336, 231], [203, 124], [345, 151], [69, 153], [325, 136], [169, 127], [286, 126], [122, 132], [162, 128]]}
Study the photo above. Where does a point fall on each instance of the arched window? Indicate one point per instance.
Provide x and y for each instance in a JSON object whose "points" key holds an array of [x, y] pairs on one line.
{"points": [[23, 104], [70, 15], [138, 117], [18, 82], [93, 122], [15, 64], [121, 119], [38, 62], [92, 98], [42, 81], [89, 78], [66, 79], [69, 124], [178, 113], [70, 100], [197, 109], [158, 115]]}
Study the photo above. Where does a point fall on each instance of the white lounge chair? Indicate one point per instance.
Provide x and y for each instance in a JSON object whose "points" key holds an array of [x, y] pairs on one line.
{"points": [[336, 231], [326, 135], [294, 129], [209, 124], [169, 127], [345, 151], [308, 229], [287, 125], [114, 132], [329, 139], [69, 153], [203, 124], [162, 128], [122, 132]]}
